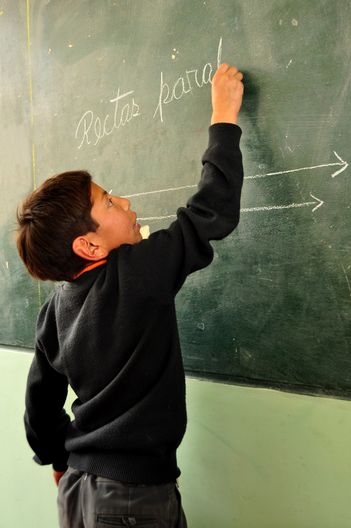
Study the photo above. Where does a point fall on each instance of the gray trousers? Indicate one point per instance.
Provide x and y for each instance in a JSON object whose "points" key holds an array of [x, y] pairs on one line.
{"points": [[88, 501]]}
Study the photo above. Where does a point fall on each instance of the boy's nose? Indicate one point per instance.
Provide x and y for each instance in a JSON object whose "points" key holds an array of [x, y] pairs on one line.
{"points": [[124, 203]]}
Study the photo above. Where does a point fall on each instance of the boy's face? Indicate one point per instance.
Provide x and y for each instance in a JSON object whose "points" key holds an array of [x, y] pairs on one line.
{"points": [[117, 223]]}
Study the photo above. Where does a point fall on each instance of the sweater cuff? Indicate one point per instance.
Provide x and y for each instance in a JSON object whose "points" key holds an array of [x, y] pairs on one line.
{"points": [[58, 465], [224, 134], [62, 466]]}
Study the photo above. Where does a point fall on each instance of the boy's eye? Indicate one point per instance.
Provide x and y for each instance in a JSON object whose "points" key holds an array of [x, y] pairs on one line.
{"points": [[110, 202]]}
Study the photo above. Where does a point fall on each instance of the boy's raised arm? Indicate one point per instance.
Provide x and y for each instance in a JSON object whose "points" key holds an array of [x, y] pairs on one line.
{"points": [[227, 94], [170, 255]]}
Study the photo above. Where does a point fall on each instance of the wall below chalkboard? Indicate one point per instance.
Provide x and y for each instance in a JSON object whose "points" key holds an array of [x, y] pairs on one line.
{"points": [[270, 459]]}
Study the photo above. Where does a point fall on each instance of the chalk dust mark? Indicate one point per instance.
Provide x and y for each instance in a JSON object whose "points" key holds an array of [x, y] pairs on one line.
{"points": [[347, 279]]}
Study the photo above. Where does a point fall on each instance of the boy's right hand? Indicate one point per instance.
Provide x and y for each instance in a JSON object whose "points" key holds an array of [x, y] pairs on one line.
{"points": [[227, 94], [57, 476]]}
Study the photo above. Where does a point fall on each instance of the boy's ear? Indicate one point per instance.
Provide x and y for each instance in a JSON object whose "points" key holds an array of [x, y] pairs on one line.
{"points": [[86, 250]]}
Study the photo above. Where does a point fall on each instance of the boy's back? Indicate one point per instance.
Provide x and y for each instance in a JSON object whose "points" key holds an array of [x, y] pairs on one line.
{"points": [[111, 334]]}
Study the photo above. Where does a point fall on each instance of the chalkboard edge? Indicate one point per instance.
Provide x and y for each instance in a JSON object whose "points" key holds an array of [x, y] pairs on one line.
{"points": [[305, 390], [21, 349]]}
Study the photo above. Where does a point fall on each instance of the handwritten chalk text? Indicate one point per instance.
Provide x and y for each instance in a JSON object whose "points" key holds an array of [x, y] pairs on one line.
{"points": [[91, 127], [185, 84]]}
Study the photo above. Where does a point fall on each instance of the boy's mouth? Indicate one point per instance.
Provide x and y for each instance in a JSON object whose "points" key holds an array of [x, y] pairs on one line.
{"points": [[135, 224]]}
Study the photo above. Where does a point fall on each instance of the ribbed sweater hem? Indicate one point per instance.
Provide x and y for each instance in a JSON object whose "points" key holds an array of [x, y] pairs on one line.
{"points": [[135, 469]]}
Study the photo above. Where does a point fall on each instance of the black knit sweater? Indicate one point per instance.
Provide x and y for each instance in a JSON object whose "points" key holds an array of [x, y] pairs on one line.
{"points": [[112, 336]]}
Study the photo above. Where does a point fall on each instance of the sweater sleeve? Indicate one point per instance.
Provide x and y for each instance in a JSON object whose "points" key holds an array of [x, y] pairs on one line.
{"points": [[45, 419], [212, 213]]}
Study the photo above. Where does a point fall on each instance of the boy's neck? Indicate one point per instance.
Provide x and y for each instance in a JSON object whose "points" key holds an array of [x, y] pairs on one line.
{"points": [[90, 267]]}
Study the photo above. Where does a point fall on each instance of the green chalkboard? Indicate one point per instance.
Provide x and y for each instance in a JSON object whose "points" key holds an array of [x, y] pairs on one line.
{"points": [[122, 88]]}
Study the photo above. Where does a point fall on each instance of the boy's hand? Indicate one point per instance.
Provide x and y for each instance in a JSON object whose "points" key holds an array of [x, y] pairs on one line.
{"points": [[227, 94], [57, 476]]}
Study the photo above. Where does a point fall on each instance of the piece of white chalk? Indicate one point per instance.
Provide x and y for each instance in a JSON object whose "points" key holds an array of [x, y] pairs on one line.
{"points": [[145, 231]]}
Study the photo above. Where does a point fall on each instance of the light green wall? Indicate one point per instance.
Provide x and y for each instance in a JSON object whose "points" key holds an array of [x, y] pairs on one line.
{"points": [[251, 458]]}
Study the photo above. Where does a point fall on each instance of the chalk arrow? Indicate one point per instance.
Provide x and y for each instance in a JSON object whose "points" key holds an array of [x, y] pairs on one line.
{"points": [[288, 206], [341, 163], [317, 203], [320, 203]]}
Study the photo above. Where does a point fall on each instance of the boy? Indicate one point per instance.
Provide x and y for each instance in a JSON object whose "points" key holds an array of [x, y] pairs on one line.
{"points": [[110, 331]]}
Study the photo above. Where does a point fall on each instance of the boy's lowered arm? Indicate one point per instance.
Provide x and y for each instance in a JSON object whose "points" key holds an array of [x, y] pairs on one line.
{"points": [[45, 419]]}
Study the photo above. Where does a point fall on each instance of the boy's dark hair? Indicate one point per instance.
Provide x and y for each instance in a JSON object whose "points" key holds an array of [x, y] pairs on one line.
{"points": [[49, 220]]}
